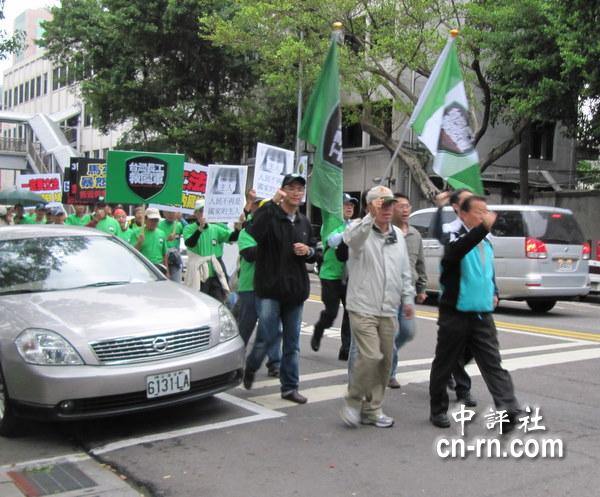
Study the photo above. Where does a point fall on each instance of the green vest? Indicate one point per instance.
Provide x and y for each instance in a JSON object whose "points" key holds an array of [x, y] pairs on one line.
{"points": [[246, 277], [167, 228], [211, 237], [154, 246], [332, 268], [73, 220]]}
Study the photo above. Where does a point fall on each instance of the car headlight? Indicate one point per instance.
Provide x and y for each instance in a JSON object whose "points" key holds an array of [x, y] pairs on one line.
{"points": [[46, 348], [227, 325]]}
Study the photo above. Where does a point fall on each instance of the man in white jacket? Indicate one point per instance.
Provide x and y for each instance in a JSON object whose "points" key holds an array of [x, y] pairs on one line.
{"points": [[379, 282]]}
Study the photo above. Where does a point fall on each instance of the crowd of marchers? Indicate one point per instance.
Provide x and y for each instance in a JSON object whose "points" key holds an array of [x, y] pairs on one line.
{"points": [[372, 264]]}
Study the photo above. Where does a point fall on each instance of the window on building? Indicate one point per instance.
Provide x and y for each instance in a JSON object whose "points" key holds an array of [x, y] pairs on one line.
{"points": [[541, 145], [6, 100], [382, 118], [21, 93], [351, 129], [38, 86], [87, 119], [45, 83], [55, 76], [96, 154], [71, 74], [32, 89], [105, 153], [26, 98], [86, 154], [10, 98]]}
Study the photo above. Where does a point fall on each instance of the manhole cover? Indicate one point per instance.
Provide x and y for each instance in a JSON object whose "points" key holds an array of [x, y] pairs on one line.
{"points": [[50, 480]]}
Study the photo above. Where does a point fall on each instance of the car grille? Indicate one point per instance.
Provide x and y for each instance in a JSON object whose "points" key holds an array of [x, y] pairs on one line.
{"points": [[147, 348], [115, 404]]}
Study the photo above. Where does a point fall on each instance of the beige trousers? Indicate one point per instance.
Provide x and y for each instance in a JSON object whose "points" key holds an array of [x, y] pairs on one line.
{"points": [[374, 338]]}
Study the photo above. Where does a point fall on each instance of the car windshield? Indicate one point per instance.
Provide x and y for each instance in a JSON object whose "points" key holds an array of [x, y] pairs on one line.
{"points": [[553, 227], [47, 264]]}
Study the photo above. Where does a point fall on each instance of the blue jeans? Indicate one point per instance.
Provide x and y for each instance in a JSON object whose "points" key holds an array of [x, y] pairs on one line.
{"points": [[247, 317], [405, 333], [270, 314]]}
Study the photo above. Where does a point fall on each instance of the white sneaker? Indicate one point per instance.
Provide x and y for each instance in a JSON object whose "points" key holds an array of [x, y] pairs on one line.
{"points": [[378, 420], [350, 416]]}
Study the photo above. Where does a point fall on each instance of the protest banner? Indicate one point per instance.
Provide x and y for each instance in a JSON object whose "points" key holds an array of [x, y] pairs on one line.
{"points": [[194, 188], [84, 181], [143, 177], [47, 186], [271, 165], [225, 193]]}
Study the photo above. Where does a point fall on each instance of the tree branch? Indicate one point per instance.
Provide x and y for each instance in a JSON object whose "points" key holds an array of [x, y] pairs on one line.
{"points": [[506, 146]]}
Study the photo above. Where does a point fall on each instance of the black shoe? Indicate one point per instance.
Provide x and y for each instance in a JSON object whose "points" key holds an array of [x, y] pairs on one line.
{"points": [[451, 383], [343, 355], [273, 372], [294, 396], [466, 399], [248, 379], [440, 420], [513, 419], [315, 343]]}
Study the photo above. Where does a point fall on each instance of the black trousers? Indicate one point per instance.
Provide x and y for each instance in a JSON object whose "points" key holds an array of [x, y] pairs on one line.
{"points": [[461, 377], [476, 331], [212, 286], [332, 293]]}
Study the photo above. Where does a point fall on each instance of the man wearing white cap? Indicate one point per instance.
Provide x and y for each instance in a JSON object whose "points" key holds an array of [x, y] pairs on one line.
{"points": [[151, 241], [379, 282]]}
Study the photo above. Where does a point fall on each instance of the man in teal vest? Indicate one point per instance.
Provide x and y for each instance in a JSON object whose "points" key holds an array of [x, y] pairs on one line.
{"points": [[465, 318], [333, 285]]}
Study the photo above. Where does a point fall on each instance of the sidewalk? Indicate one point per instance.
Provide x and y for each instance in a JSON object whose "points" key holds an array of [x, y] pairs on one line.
{"points": [[76, 475]]}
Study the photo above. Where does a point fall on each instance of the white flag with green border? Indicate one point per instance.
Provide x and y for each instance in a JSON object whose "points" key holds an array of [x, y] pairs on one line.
{"points": [[440, 120]]}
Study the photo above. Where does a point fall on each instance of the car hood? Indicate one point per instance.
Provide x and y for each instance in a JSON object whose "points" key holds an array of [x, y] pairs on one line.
{"points": [[106, 312]]}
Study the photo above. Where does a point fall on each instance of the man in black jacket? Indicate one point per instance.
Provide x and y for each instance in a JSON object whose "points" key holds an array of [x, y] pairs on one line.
{"points": [[285, 243]]}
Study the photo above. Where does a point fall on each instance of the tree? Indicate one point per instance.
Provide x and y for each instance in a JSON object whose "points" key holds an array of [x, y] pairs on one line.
{"points": [[143, 63], [8, 44], [512, 62]]}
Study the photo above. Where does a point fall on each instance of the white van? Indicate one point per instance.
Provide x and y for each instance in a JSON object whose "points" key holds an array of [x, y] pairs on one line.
{"points": [[540, 253]]}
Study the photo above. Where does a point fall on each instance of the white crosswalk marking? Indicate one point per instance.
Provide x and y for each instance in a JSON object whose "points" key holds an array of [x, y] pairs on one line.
{"points": [[336, 391]]}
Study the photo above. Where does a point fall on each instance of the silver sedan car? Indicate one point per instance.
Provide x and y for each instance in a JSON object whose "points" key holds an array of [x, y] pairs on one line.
{"points": [[91, 328]]}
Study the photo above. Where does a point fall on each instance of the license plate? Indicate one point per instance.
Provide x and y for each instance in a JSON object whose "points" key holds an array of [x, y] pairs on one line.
{"points": [[565, 265], [167, 383]]}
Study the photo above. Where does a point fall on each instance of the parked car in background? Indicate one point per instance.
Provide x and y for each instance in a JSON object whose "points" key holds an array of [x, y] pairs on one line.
{"points": [[595, 276], [540, 253], [91, 328]]}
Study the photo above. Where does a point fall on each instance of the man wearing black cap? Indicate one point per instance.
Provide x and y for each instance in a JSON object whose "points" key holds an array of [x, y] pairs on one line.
{"points": [[333, 284], [38, 216], [284, 244]]}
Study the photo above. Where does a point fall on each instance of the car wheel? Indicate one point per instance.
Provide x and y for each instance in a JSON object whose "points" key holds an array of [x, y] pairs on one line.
{"points": [[541, 305], [10, 425]]}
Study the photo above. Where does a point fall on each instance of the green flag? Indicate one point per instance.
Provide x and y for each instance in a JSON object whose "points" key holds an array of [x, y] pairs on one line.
{"points": [[322, 127], [440, 120]]}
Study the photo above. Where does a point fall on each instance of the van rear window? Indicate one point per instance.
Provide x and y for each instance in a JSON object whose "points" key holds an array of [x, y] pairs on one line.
{"points": [[552, 227]]}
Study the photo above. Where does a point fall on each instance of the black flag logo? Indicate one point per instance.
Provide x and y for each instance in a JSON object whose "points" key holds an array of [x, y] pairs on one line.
{"points": [[332, 144], [146, 176]]}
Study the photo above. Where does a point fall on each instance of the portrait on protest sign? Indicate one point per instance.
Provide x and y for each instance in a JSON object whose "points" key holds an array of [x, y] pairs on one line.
{"points": [[225, 192], [271, 165]]}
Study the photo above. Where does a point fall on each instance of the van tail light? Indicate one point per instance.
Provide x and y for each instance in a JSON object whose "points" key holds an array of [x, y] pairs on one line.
{"points": [[535, 249], [587, 251]]}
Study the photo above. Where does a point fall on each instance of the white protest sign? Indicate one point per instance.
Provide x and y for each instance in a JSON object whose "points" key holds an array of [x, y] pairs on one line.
{"points": [[48, 186], [271, 165], [225, 193]]}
